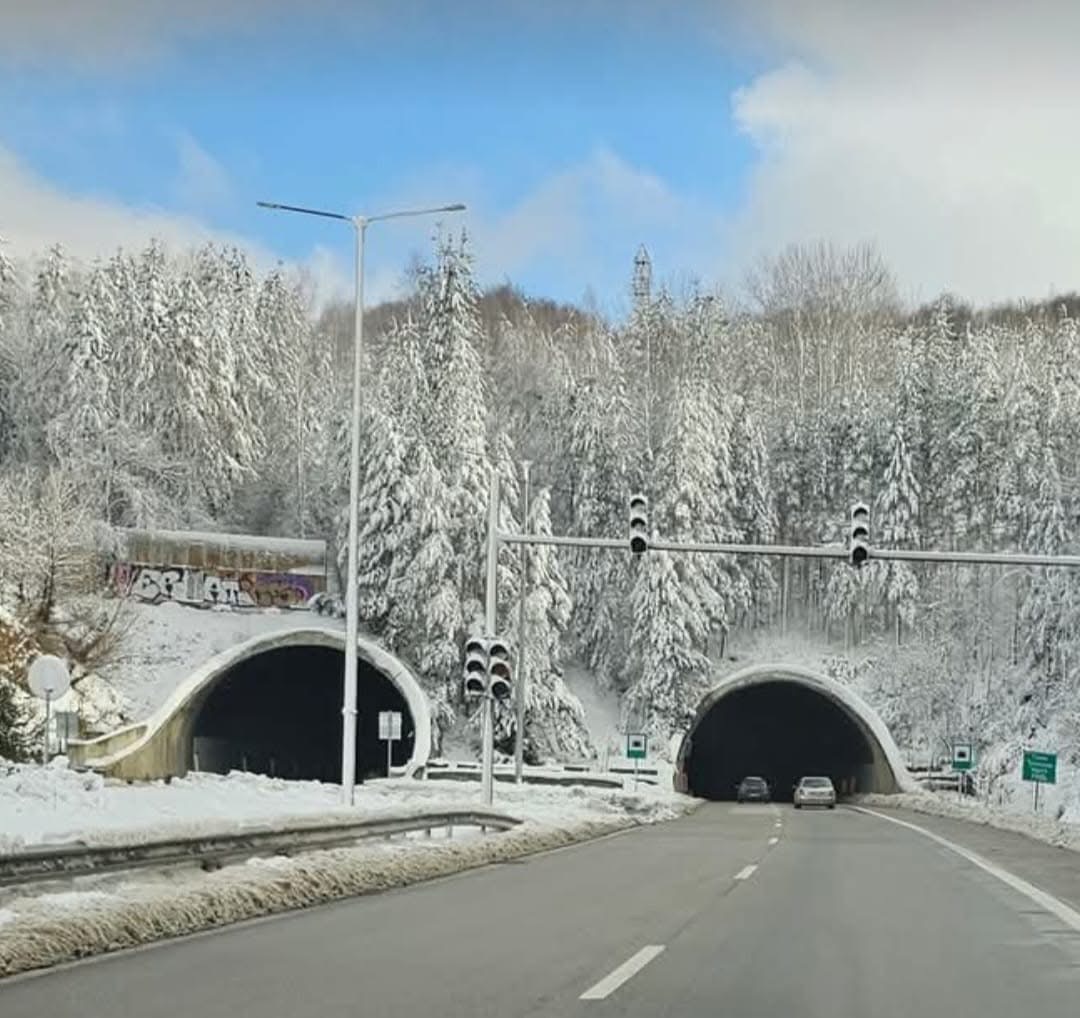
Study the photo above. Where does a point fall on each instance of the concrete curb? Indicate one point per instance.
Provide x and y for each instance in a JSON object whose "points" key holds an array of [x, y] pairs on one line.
{"points": [[144, 915]]}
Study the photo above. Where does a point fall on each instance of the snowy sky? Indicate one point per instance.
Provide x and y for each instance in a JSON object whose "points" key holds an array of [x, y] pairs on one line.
{"points": [[710, 131]]}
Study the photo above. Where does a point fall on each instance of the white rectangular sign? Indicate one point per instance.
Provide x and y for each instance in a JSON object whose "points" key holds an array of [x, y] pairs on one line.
{"points": [[390, 724]]}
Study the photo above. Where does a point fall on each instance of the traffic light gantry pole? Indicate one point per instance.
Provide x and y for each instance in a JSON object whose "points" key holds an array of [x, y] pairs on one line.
{"points": [[487, 668]]}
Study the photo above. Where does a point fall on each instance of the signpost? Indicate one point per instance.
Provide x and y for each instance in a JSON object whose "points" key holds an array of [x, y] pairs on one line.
{"points": [[963, 760], [637, 748], [963, 756], [1040, 768], [389, 730], [48, 678]]}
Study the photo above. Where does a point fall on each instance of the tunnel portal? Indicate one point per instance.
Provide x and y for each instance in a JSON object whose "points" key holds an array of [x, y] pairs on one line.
{"points": [[279, 713], [782, 723]]}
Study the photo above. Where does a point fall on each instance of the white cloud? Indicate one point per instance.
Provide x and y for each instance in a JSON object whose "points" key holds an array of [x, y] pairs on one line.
{"points": [[106, 34], [201, 181], [35, 214], [942, 131]]}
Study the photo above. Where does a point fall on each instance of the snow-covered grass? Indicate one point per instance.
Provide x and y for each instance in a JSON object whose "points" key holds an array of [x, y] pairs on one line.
{"points": [[42, 805], [45, 929], [1040, 827]]}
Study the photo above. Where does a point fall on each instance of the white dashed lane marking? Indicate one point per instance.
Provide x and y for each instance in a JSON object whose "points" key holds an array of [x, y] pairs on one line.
{"points": [[746, 872], [627, 970]]}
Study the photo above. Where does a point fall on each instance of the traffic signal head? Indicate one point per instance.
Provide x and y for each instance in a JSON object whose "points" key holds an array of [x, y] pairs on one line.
{"points": [[476, 667], [859, 534], [499, 670], [639, 523]]}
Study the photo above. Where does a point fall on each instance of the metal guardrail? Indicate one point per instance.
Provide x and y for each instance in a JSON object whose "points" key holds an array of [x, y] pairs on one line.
{"points": [[53, 862]]}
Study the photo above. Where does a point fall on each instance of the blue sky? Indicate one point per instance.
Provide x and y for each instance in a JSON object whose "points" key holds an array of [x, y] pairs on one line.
{"points": [[711, 132]]}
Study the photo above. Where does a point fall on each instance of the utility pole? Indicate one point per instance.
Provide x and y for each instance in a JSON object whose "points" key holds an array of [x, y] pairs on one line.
{"points": [[519, 687]]}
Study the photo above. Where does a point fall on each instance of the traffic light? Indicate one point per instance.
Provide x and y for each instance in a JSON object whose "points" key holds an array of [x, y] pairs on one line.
{"points": [[859, 534], [499, 669], [476, 667], [639, 523], [487, 668]]}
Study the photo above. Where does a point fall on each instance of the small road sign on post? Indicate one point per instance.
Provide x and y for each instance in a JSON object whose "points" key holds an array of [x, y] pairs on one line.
{"points": [[1040, 768], [963, 757], [637, 747], [389, 731]]}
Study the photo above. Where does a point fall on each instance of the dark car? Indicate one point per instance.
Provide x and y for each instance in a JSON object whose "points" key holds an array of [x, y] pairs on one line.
{"points": [[753, 789]]}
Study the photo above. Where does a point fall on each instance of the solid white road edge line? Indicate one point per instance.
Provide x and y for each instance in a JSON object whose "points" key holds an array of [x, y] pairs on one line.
{"points": [[1055, 906], [746, 871], [773, 841], [629, 968]]}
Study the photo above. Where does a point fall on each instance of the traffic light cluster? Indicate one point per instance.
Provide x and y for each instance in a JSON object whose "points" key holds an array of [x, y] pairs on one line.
{"points": [[639, 524], [859, 534], [487, 668]]}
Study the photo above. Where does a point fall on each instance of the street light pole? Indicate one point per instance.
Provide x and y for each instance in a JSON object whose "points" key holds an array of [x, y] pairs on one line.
{"points": [[352, 607], [519, 686], [352, 615]]}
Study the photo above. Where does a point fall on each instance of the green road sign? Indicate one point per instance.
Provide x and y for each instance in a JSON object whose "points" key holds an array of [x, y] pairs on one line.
{"points": [[963, 756], [1040, 767], [636, 747]]}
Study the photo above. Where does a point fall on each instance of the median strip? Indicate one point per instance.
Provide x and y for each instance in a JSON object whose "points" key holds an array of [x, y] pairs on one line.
{"points": [[627, 970]]}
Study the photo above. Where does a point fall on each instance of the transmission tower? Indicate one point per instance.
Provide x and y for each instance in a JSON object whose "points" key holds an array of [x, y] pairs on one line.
{"points": [[642, 276]]}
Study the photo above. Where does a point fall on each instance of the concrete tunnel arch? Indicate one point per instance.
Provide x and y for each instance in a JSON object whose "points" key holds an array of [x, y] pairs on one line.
{"points": [[742, 723], [164, 744]]}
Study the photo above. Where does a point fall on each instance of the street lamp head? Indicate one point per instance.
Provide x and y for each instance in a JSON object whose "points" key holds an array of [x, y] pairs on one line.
{"points": [[298, 208]]}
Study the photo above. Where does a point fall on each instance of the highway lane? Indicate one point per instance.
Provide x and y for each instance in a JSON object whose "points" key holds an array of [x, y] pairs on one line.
{"points": [[843, 915]]}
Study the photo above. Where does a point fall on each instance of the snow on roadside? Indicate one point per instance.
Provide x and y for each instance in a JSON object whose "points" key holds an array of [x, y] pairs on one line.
{"points": [[51, 805], [46, 929], [1041, 828]]}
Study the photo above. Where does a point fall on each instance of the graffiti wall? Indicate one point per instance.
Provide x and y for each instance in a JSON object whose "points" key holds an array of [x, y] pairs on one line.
{"points": [[209, 587]]}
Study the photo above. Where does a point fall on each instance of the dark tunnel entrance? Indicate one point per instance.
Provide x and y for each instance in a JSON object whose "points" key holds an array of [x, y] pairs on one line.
{"points": [[781, 731], [279, 713]]}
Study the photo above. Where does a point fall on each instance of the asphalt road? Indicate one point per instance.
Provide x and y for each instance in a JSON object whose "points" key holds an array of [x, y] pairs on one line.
{"points": [[844, 916]]}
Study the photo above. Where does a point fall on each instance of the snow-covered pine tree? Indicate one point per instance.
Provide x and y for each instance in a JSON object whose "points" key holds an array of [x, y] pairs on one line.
{"points": [[454, 422], [895, 523], [41, 367], [386, 509], [554, 718], [598, 418], [82, 428], [668, 671], [754, 509], [1050, 610]]}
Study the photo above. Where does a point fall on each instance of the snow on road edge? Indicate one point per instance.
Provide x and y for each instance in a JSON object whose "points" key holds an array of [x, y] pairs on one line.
{"points": [[1052, 832], [138, 915]]}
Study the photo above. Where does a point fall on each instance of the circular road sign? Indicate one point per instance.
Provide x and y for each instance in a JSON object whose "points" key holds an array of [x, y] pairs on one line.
{"points": [[49, 677]]}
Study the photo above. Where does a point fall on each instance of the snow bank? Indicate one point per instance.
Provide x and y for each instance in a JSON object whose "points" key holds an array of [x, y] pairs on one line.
{"points": [[1042, 828], [49, 929], [52, 805]]}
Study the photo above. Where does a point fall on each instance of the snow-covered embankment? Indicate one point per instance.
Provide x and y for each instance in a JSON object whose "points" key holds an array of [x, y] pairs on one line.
{"points": [[46, 929]]}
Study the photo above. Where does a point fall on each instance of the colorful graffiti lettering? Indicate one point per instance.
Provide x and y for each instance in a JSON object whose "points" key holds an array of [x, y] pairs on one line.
{"points": [[196, 587]]}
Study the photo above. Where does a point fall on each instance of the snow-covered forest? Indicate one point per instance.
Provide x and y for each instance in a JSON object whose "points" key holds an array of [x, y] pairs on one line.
{"points": [[189, 390]]}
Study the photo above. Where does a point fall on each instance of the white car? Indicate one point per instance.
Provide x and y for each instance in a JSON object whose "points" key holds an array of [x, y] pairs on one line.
{"points": [[815, 791]]}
